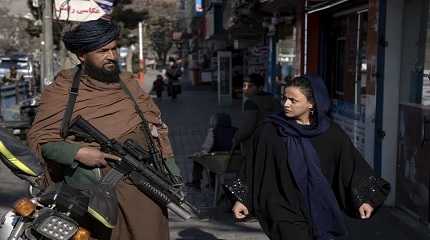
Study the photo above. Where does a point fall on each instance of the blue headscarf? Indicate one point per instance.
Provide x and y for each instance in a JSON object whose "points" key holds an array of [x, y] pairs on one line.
{"points": [[327, 219], [91, 35]]}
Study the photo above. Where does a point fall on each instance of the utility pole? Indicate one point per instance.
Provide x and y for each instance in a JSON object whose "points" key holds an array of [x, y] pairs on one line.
{"points": [[48, 45]]}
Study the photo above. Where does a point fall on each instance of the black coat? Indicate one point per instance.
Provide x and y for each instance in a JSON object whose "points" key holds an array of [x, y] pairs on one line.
{"points": [[274, 196]]}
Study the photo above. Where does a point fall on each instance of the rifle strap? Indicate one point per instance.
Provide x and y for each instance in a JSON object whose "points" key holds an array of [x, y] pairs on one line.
{"points": [[145, 125], [73, 94]]}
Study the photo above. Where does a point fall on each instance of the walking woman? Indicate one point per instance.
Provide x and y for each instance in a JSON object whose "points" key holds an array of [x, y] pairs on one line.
{"points": [[304, 170]]}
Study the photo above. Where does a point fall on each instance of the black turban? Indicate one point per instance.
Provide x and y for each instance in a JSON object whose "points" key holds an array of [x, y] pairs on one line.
{"points": [[91, 35]]}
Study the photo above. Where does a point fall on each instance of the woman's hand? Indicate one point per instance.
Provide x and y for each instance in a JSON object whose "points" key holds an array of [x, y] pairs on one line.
{"points": [[365, 211], [240, 211], [93, 157]]}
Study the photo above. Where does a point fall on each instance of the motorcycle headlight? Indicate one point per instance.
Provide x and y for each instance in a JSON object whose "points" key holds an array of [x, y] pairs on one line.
{"points": [[57, 226]]}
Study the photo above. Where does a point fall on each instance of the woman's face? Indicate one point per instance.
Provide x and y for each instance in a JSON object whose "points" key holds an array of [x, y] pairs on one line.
{"points": [[296, 105]]}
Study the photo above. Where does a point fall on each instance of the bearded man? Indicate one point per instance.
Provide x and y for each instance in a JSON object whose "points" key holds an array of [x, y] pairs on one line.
{"points": [[102, 100]]}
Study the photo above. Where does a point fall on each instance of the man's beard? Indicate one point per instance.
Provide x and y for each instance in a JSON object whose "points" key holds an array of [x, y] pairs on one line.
{"points": [[103, 74]]}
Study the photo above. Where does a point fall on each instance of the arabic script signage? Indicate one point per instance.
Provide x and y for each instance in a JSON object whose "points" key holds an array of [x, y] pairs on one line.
{"points": [[77, 10]]}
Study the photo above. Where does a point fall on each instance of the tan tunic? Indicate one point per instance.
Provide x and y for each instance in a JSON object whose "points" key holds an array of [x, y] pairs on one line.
{"points": [[109, 109]]}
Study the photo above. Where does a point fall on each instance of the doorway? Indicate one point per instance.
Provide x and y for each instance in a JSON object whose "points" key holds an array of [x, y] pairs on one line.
{"points": [[347, 78]]}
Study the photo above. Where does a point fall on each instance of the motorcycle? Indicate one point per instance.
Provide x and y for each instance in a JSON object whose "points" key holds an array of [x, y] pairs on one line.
{"points": [[55, 212], [49, 216]]}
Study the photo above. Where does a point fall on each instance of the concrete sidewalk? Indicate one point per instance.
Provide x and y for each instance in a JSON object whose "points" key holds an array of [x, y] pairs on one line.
{"points": [[188, 119]]}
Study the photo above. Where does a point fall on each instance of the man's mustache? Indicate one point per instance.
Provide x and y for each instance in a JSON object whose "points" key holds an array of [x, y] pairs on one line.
{"points": [[111, 62]]}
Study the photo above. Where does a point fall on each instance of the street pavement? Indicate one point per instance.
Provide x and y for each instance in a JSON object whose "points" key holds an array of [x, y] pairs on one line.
{"points": [[188, 120]]}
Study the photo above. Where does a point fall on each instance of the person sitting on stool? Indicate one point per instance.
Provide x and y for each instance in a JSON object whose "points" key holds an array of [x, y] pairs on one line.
{"points": [[219, 138]]}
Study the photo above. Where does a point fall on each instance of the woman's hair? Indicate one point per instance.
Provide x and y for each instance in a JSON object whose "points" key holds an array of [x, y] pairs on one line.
{"points": [[304, 84]]}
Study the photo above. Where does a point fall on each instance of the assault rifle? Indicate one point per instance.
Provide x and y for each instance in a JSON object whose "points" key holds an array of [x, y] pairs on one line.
{"points": [[145, 169]]}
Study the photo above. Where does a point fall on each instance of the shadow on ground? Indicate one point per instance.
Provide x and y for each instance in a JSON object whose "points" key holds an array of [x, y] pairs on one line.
{"points": [[195, 233]]}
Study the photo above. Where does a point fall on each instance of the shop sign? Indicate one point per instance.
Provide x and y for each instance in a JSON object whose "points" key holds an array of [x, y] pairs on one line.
{"points": [[213, 19], [426, 88], [210, 23], [260, 50], [77, 10], [224, 77], [199, 8]]}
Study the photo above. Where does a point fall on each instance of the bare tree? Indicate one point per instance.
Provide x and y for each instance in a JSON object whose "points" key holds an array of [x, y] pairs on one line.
{"points": [[161, 33], [13, 36], [160, 27], [159, 16]]}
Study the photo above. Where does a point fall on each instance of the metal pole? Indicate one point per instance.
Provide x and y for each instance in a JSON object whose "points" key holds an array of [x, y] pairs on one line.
{"points": [[141, 59], [379, 127], [305, 47], [48, 45], [140, 41]]}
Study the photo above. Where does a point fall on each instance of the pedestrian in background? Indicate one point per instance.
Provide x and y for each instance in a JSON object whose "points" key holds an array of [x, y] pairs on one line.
{"points": [[173, 73], [257, 105], [304, 169], [158, 86]]}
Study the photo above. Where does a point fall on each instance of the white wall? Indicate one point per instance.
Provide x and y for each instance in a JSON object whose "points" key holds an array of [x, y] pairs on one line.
{"points": [[392, 79]]}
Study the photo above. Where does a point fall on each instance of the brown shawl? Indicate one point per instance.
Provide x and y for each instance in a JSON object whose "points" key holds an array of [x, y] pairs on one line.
{"points": [[106, 106]]}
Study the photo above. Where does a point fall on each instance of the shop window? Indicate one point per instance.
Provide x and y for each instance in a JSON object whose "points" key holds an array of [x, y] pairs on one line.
{"points": [[347, 57], [286, 53]]}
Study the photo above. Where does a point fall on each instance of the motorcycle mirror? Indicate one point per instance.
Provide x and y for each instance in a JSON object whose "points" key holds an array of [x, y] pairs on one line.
{"points": [[33, 191]]}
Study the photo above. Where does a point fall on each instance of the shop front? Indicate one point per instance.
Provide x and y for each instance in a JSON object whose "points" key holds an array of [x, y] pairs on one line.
{"points": [[374, 56], [413, 160], [340, 46]]}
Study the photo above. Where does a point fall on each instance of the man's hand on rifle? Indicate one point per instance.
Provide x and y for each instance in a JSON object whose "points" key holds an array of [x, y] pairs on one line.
{"points": [[93, 157]]}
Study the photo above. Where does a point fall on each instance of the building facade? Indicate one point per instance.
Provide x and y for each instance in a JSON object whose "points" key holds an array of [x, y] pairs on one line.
{"points": [[374, 57]]}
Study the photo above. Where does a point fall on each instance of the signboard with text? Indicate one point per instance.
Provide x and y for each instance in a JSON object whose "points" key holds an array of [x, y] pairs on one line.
{"points": [[224, 78], [77, 10], [199, 8], [426, 88]]}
